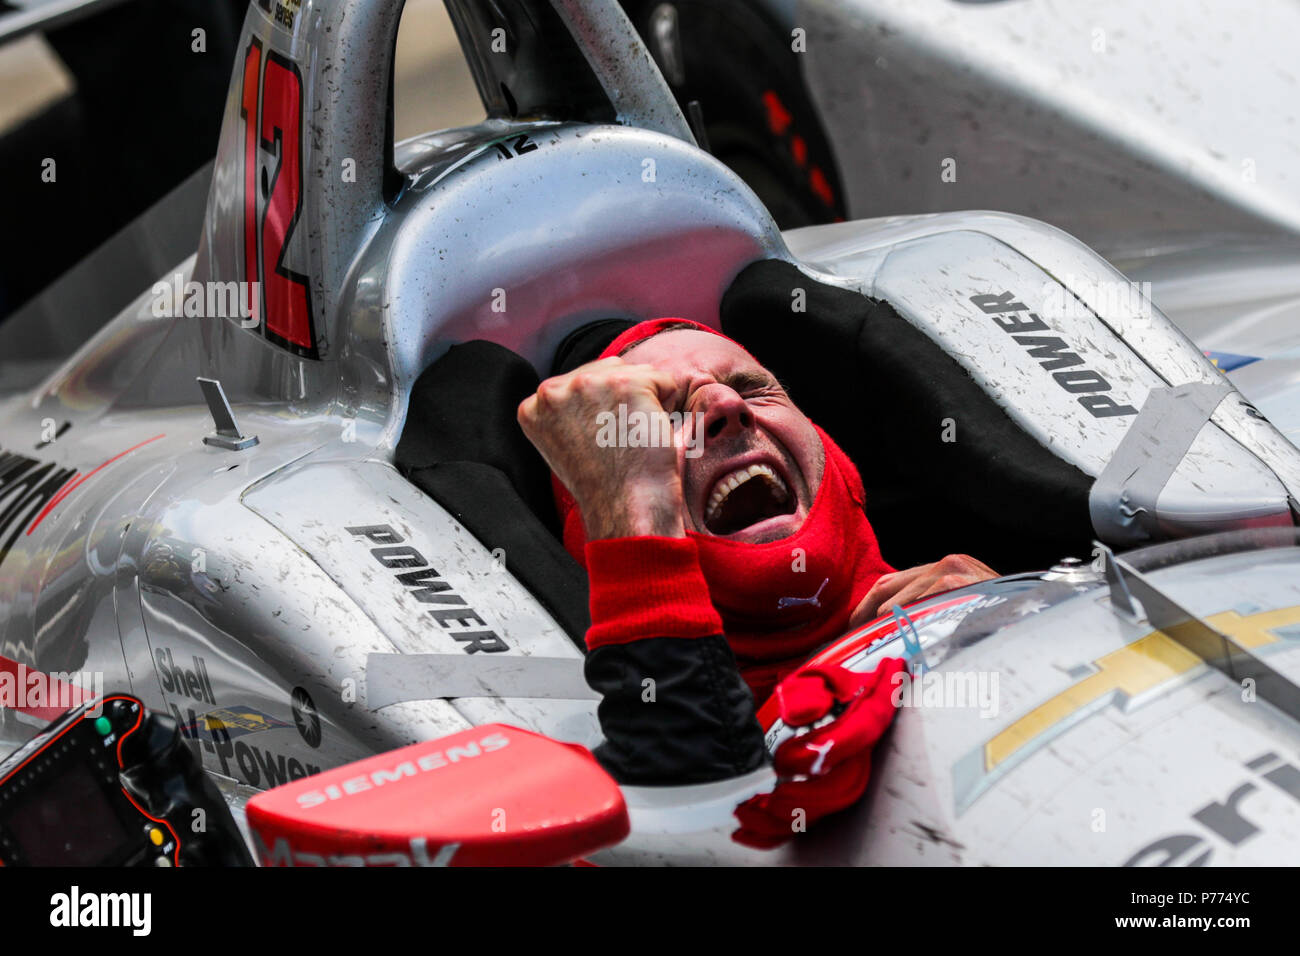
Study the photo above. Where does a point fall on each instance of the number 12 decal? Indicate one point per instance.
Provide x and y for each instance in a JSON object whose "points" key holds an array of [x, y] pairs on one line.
{"points": [[285, 300]]}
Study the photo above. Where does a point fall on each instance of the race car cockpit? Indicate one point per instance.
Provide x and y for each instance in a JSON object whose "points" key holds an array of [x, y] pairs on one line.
{"points": [[947, 466], [1003, 390]]}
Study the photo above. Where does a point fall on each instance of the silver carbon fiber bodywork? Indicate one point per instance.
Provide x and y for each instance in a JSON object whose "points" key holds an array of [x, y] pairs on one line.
{"points": [[1108, 744], [262, 585], [1131, 128], [930, 267]]}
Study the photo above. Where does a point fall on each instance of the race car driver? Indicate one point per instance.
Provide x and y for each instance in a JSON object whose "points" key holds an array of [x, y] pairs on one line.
{"points": [[718, 562]]}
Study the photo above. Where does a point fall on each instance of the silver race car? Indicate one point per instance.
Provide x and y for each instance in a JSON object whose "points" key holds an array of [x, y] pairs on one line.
{"points": [[237, 501]]}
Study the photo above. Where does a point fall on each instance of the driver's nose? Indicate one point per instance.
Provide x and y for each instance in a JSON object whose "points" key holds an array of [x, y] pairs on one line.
{"points": [[722, 412]]}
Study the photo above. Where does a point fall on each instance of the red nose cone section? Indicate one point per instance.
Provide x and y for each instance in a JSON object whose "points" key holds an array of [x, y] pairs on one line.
{"points": [[491, 796]]}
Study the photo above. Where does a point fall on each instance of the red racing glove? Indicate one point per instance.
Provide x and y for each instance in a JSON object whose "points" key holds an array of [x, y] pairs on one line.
{"points": [[826, 768]]}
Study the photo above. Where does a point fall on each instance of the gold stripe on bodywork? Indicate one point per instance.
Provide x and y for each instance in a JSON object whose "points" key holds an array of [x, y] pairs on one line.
{"points": [[1138, 667]]}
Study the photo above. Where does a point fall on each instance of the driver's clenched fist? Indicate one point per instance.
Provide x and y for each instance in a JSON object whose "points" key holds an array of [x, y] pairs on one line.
{"points": [[620, 491]]}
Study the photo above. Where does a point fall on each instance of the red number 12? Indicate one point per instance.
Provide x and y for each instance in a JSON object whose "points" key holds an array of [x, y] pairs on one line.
{"points": [[285, 299]]}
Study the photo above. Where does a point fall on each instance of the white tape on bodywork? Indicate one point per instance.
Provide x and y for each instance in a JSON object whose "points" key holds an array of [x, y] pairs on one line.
{"points": [[1122, 502], [393, 678]]}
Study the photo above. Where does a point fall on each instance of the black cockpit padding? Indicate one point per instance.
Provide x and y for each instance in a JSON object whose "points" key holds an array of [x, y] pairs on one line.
{"points": [[585, 343], [463, 447], [883, 390]]}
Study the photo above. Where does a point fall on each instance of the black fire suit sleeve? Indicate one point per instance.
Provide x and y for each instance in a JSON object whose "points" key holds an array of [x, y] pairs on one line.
{"points": [[674, 708]]}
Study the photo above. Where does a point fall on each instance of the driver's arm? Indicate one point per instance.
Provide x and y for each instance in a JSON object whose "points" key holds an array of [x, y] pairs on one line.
{"points": [[674, 707]]}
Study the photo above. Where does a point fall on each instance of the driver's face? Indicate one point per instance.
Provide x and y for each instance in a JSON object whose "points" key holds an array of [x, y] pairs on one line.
{"points": [[761, 461]]}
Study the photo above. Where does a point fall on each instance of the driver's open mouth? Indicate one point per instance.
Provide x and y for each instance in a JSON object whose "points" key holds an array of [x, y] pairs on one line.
{"points": [[746, 496]]}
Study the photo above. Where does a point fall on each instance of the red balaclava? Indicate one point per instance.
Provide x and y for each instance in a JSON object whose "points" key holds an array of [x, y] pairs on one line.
{"points": [[781, 600]]}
